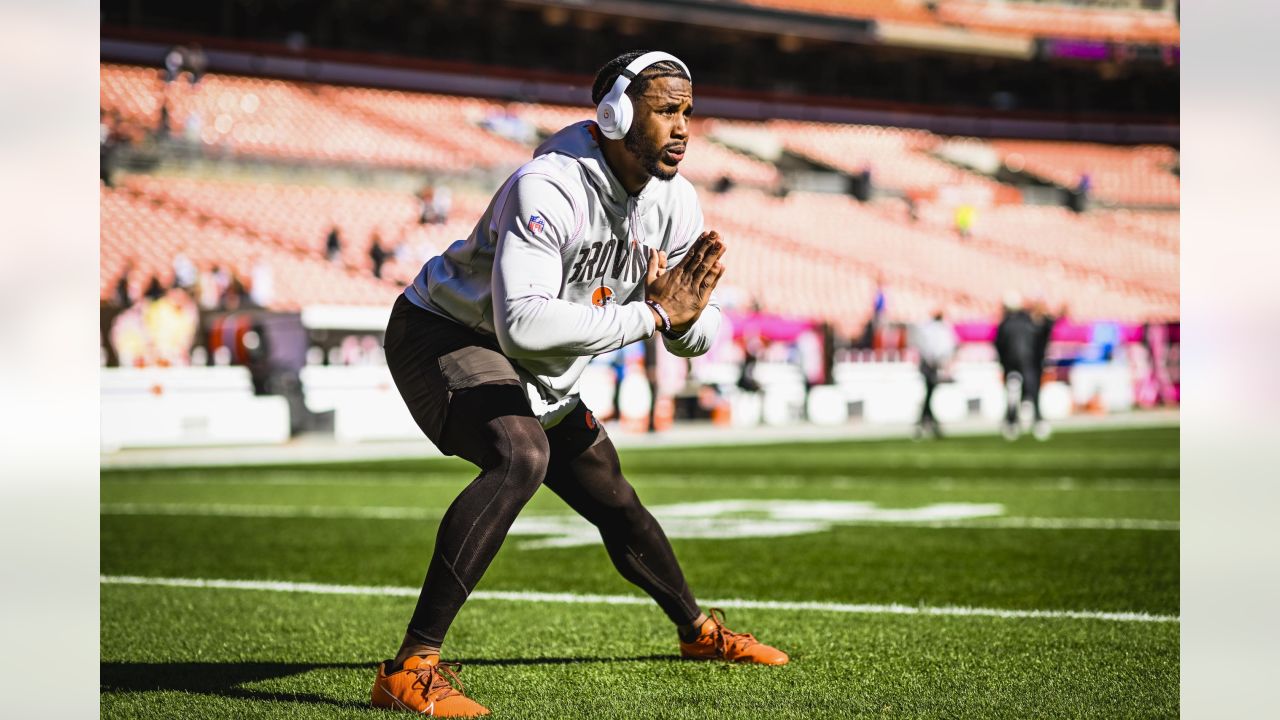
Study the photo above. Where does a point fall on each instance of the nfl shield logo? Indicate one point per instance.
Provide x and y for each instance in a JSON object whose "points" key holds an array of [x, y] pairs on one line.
{"points": [[536, 224]]}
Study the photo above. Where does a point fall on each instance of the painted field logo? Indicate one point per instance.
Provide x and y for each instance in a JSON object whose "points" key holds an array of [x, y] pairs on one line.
{"points": [[602, 296], [728, 519]]}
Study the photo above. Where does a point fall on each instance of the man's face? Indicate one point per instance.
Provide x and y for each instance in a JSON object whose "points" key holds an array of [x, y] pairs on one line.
{"points": [[660, 129]]}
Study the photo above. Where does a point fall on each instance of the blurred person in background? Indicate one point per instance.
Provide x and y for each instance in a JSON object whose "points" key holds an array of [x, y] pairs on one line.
{"points": [[965, 215], [488, 343], [165, 124], [122, 295], [434, 202], [333, 245], [508, 123], [209, 286], [442, 204], [108, 140], [173, 62], [935, 341], [879, 307], [1021, 342], [182, 59], [262, 282], [185, 273], [235, 296], [377, 254], [155, 289], [426, 205]]}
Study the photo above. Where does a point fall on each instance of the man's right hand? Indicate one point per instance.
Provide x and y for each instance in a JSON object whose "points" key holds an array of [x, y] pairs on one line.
{"points": [[685, 290]]}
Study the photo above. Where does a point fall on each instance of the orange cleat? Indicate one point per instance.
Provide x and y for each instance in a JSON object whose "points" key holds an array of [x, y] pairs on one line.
{"points": [[718, 642], [424, 686]]}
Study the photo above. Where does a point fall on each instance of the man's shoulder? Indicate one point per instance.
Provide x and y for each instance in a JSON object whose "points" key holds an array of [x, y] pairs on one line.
{"points": [[554, 169]]}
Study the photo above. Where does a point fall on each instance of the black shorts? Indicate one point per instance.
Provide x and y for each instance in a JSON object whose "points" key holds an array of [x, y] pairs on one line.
{"points": [[431, 358]]}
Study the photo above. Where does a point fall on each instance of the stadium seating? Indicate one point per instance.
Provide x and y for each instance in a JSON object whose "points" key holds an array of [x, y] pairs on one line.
{"points": [[285, 119], [1023, 19], [149, 233], [1120, 175], [1055, 235], [1044, 20], [897, 159], [449, 123], [289, 120], [910, 11], [816, 255], [811, 255], [1159, 229], [299, 217]]}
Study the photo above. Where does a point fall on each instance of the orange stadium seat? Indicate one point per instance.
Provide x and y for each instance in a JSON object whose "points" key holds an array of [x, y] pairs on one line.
{"points": [[910, 11], [897, 158], [1130, 176], [1023, 19], [1043, 20], [927, 261], [137, 229], [1078, 243], [299, 217], [286, 119], [1160, 229]]}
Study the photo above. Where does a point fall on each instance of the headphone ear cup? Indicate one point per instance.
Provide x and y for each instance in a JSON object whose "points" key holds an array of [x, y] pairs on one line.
{"points": [[607, 118], [613, 115], [625, 112]]}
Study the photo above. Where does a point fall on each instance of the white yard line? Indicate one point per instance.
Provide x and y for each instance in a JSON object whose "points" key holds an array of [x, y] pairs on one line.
{"points": [[304, 478], [574, 598], [272, 511], [412, 513]]}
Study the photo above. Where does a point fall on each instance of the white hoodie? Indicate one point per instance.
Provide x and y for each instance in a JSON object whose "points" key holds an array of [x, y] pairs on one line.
{"points": [[555, 267]]}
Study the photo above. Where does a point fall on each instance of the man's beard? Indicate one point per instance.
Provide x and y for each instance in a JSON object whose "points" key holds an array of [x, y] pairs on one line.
{"points": [[648, 156]]}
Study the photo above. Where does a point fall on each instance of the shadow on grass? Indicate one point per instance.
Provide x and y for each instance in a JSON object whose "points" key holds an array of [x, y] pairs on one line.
{"points": [[225, 679], [220, 679]]}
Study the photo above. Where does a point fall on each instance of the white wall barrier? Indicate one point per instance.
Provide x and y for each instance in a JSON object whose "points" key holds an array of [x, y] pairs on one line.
{"points": [[364, 401], [1112, 383], [175, 407]]}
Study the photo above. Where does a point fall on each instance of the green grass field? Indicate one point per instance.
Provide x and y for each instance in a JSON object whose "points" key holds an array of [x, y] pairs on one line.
{"points": [[1086, 522]]}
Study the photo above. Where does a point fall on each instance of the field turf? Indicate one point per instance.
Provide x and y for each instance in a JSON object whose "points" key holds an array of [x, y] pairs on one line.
{"points": [[1086, 522]]}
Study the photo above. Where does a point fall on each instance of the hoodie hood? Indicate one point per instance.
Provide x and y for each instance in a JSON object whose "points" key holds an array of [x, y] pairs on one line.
{"points": [[578, 141]]}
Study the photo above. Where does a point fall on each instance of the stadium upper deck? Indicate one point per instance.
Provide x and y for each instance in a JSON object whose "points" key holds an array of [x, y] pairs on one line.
{"points": [[1023, 19]]}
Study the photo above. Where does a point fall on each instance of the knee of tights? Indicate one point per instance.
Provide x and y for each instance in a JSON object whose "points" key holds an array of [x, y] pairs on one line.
{"points": [[525, 452]]}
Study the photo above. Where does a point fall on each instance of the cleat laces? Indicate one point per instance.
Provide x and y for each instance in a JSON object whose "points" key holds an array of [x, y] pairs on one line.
{"points": [[442, 677], [728, 642]]}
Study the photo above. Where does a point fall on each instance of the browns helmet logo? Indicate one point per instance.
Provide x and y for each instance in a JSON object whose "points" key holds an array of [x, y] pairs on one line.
{"points": [[602, 296]]}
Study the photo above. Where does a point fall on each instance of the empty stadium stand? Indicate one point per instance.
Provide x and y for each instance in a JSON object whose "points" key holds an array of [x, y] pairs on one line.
{"points": [[298, 217], [1140, 176], [149, 232], [896, 158], [1028, 19]]}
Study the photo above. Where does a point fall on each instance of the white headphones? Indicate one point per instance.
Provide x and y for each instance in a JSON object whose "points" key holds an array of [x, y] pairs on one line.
{"points": [[614, 112]]}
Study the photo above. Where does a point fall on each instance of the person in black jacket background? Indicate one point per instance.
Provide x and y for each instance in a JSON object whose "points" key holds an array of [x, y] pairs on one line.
{"points": [[1022, 341]]}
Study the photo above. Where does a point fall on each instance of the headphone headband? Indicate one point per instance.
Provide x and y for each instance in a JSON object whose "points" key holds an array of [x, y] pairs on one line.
{"points": [[613, 114], [635, 67]]}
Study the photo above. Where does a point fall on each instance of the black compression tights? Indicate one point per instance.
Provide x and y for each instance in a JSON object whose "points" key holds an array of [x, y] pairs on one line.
{"points": [[491, 426]]}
